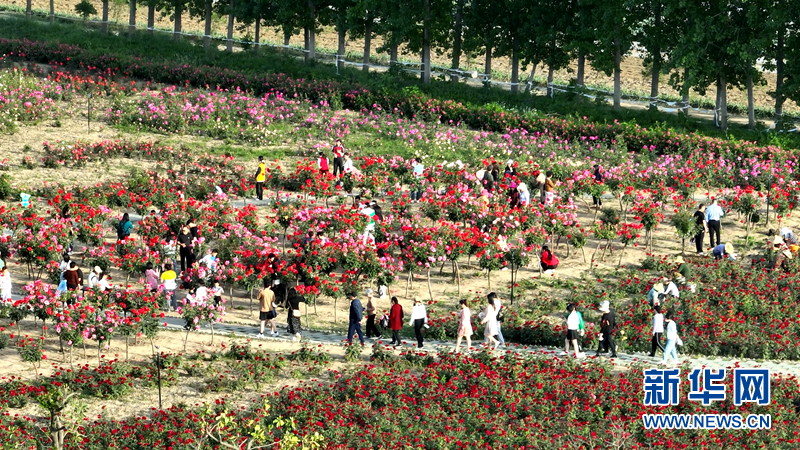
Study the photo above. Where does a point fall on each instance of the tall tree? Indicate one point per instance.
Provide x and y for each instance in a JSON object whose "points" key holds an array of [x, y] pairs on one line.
{"points": [[458, 37], [131, 18], [616, 22], [361, 21], [482, 24], [257, 13], [104, 24], [656, 33], [514, 16], [548, 22]]}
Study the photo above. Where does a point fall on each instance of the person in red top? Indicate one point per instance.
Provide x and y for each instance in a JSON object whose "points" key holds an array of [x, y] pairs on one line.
{"points": [[338, 159], [549, 260], [396, 321], [322, 163]]}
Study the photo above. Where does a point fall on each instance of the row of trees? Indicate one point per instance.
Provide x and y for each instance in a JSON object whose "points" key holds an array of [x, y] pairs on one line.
{"points": [[717, 43]]}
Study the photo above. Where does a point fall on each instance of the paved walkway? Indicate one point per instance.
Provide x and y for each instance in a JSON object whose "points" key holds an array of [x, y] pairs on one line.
{"points": [[790, 368]]}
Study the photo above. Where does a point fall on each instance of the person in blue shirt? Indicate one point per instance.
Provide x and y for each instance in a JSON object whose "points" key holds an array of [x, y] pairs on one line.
{"points": [[356, 315], [723, 250], [713, 215]]}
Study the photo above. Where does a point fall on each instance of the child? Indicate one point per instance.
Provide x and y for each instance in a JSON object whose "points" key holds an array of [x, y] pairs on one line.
{"points": [[217, 291], [322, 163]]}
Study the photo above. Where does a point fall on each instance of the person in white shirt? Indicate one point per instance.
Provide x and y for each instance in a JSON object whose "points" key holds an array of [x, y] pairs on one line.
{"points": [[94, 277], [201, 293], [210, 260], [349, 167], [369, 231], [104, 285], [672, 289], [64, 265], [672, 340], [5, 284], [498, 307], [489, 317], [419, 319], [573, 331], [417, 170], [658, 329]]}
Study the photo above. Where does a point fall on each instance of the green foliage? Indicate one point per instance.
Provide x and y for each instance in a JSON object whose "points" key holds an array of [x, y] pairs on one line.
{"points": [[352, 352], [85, 9], [684, 224]]}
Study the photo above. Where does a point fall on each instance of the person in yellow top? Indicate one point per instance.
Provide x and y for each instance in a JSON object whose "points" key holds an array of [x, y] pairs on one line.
{"points": [[261, 177], [168, 285]]}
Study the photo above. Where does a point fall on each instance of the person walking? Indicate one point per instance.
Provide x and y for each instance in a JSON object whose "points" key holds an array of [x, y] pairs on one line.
{"points": [[261, 177], [356, 315], [169, 284], [5, 284], [658, 330], [499, 315], [267, 311], [418, 171], [607, 324], [672, 340], [701, 225], [489, 317], [574, 328], [598, 179], [396, 316], [464, 325], [372, 329], [419, 320], [151, 278], [293, 322], [713, 215], [338, 159], [186, 248], [72, 277]]}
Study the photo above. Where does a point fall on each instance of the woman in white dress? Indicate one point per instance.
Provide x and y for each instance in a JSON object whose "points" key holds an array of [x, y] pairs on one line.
{"points": [[5, 284], [490, 319]]}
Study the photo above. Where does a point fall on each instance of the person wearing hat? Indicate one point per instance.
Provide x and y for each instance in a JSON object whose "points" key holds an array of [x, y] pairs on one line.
{"points": [[782, 254], [356, 315], [607, 324], [658, 330], [419, 320], [655, 293], [723, 250], [524, 195], [685, 270], [372, 330], [510, 171], [94, 277]]}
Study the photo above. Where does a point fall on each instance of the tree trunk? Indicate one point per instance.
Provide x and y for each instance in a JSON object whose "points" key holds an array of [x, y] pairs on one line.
{"points": [[751, 108], [550, 81], [104, 25], [341, 48], [393, 54], [426, 41], [258, 35], [487, 65], [685, 93], [286, 35], [723, 103], [53, 10], [457, 39], [368, 44], [529, 85], [178, 13], [131, 18], [617, 60], [312, 32], [28, 9], [151, 17], [656, 69], [515, 65], [229, 46], [430, 292], [779, 74], [581, 66]]}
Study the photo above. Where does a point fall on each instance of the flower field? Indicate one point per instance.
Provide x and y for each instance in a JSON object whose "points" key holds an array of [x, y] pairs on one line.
{"points": [[181, 141]]}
